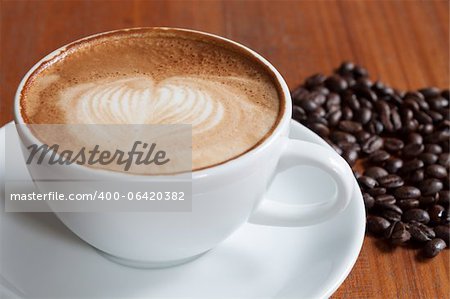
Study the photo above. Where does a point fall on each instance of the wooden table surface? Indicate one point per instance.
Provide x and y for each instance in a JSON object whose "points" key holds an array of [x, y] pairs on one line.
{"points": [[404, 43]]}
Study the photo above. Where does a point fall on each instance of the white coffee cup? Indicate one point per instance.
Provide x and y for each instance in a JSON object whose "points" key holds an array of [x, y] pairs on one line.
{"points": [[224, 197]]}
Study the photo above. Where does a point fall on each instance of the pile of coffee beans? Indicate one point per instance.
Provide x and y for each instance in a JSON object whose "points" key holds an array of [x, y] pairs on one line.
{"points": [[398, 145]]}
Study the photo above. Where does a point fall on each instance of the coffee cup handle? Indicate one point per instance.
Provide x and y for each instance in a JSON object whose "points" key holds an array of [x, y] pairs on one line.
{"points": [[275, 213]]}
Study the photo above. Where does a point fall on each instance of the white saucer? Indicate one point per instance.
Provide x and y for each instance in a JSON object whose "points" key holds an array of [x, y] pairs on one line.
{"points": [[41, 258]]}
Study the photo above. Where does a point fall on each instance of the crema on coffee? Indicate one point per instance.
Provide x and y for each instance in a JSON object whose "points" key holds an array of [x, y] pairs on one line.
{"points": [[160, 76]]}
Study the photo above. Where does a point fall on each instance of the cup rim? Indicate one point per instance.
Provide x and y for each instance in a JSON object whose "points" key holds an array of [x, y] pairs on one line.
{"points": [[283, 118]]}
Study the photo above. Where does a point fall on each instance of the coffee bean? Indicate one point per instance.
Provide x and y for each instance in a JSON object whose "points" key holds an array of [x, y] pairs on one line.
{"points": [[359, 72], [429, 92], [375, 172], [308, 105], [436, 213], [437, 102], [367, 182], [314, 80], [345, 68], [431, 186], [320, 129], [436, 171], [416, 176], [412, 150], [334, 117], [428, 158], [347, 113], [407, 192], [433, 148], [376, 191], [444, 160], [387, 206], [338, 136], [433, 247], [379, 156], [349, 126], [412, 165], [385, 199], [364, 115], [443, 232], [362, 136], [390, 181], [391, 215], [376, 224], [420, 232], [369, 201], [393, 144], [409, 203], [350, 156], [351, 101], [335, 83], [422, 117], [372, 144], [414, 137], [418, 215], [393, 165], [400, 234]]}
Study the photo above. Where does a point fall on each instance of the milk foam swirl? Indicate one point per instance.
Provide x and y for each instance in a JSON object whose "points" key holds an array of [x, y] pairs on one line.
{"points": [[139, 100]]}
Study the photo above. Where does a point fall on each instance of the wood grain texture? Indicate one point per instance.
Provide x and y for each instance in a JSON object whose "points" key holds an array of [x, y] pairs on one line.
{"points": [[403, 43]]}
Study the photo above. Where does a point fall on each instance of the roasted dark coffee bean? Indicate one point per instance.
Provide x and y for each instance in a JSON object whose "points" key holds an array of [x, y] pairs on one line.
{"points": [[372, 144], [391, 181], [350, 156], [420, 232], [436, 213], [425, 129], [400, 234], [319, 112], [428, 200], [428, 158], [336, 83], [412, 165], [369, 201], [434, 247], [308, 105], [418, 215], [364, 115], [444, 160], [388, 206], [393, 144], [388, 232], [416, 176], [446, 94], [359, 72], [349, 126], [433, 148], [431, 186], [414, 95], [334, 117], [379, 156], [320, 129], [333, 99], [322, 90], [436, 171], [412, 150], [444, 198], [367, 182], [351, 101], [411, 104], [430, 92], [377, 191], [437, 102], [435, 116], [298, 113], [375, 172], [391, 215], [407, 204], [443, 232], [314, 80], [393, 165], [414, 137], [347, 113], [396, 120], [338, 136], [385, 199], [407, 192], [345, 69], [344, 145], [362, 136], [376, 224]]}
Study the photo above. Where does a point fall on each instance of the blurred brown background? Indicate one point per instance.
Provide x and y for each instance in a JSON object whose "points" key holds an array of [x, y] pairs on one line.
{"points": [[403, 43]]}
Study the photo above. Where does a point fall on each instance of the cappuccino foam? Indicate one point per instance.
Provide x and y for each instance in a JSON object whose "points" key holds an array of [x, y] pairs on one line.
{"points": [[159, 76]]}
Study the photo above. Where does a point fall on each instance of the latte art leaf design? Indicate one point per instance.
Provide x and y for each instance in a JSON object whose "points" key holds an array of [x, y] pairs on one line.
{"points": [[139, 100]]}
